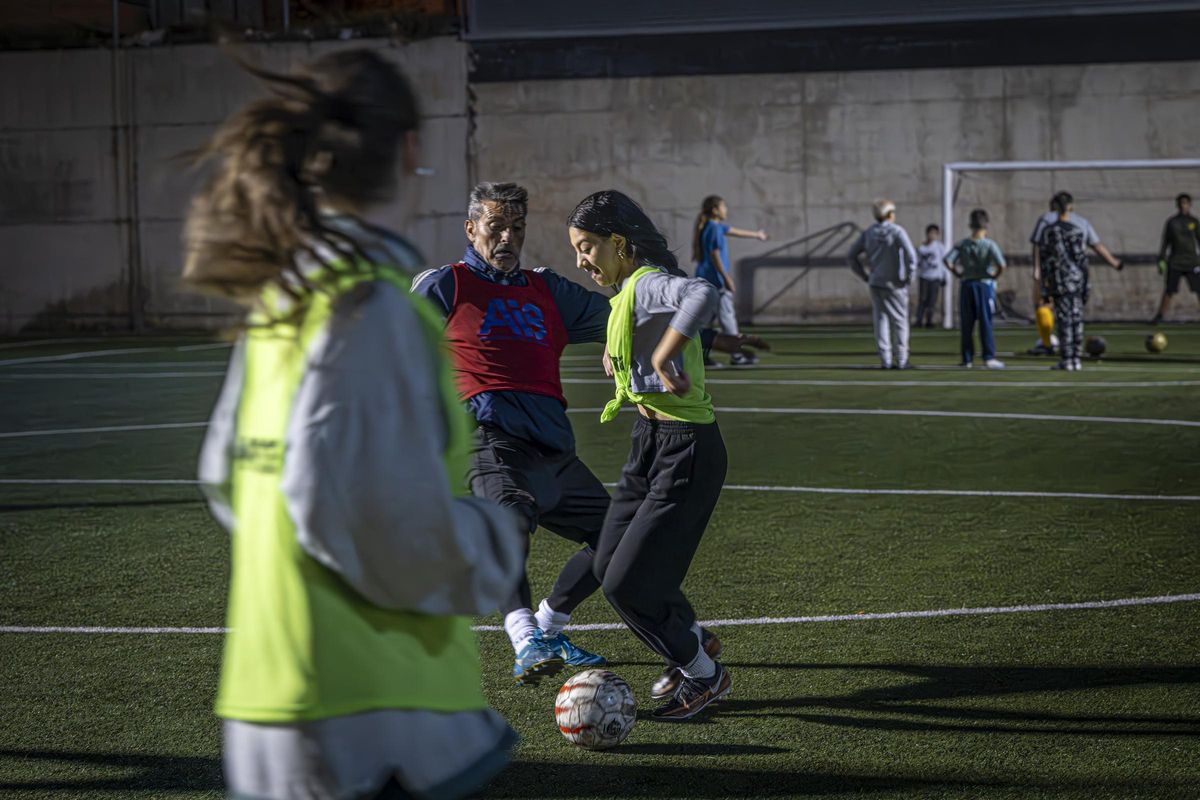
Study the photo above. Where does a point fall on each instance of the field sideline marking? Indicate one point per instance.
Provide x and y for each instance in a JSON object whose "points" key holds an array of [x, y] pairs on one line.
{"points": [[103, 429], [108, 365], [900, 412], [727, 382], [1182, 498], [76, 356], [712, 623], [906, 412], [79, 376]]}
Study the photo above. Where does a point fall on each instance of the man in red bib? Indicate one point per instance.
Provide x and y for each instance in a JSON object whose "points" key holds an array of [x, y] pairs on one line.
{"points": [[506, 328]]}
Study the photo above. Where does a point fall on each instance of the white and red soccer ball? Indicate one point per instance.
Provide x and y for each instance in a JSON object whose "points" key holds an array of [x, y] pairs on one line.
{"points": [[595, 709]]}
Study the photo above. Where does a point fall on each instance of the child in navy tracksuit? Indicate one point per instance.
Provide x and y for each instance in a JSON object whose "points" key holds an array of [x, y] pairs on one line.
{"points": [[979, 262]]}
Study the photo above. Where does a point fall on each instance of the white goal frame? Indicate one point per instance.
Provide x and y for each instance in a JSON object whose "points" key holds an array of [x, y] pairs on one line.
{"points": [[949, 170]]}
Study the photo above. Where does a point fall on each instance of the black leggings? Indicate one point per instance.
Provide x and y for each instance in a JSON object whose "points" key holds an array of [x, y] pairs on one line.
{"points": [[668, 490]]}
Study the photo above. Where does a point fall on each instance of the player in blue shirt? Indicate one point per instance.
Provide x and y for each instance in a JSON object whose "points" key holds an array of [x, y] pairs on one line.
{"points": [[710, 251]]}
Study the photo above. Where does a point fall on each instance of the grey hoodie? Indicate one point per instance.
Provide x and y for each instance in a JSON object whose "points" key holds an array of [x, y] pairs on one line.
{"points": [[890, 254]]}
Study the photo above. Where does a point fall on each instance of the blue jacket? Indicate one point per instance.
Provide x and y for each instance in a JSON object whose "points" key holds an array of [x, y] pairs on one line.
{"points": [[535, 418]]}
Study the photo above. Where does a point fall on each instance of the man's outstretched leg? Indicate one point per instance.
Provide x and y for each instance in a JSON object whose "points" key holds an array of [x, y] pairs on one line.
{"points": [[506, 470], [579, 516]]}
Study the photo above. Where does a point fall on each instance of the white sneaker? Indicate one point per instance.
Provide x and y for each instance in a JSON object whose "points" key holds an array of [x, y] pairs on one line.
{"points": [[993, 363], [1076, 365]]}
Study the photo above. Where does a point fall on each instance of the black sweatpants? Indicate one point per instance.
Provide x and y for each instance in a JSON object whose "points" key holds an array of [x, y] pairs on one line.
{"points": [[668, 490], [554, 490], [927, 300]]}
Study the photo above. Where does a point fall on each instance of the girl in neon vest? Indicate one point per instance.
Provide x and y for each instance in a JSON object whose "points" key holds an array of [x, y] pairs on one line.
{"points": [[336, 457], [671, 482]]}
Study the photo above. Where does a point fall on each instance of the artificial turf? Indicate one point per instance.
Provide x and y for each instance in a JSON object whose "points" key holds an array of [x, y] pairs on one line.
{"points": [[1086, 703]]}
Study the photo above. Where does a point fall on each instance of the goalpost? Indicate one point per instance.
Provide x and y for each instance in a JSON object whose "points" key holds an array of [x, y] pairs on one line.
{"points": [[950, 170]]}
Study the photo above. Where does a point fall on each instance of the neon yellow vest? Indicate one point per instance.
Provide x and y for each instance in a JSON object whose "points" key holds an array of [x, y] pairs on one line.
{"points": [[303, 645], [695, 406]]}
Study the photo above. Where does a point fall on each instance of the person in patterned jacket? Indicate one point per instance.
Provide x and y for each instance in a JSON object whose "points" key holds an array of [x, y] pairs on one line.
{"points": [[1062, 251]]}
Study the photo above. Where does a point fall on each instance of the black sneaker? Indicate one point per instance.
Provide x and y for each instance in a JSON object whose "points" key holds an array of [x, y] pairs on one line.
{"points": [[666, 683], [743, 359], [693, 696]]}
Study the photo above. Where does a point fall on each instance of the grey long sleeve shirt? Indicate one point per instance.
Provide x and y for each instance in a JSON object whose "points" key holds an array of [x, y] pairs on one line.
{"points": [[889, 253], [662, 300]]}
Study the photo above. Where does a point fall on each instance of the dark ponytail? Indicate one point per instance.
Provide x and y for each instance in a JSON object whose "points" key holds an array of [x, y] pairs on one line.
{"points": [[611, 212], [708, 212]]}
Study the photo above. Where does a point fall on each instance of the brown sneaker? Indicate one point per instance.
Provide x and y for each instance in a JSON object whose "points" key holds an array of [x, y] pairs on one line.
{"points": [[666, 683], [693, 696]]}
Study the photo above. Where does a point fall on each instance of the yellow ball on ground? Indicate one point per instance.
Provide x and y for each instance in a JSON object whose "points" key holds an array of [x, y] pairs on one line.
{"points": [[1156, 342]]}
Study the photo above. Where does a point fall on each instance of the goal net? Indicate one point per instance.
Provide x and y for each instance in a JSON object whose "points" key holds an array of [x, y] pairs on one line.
{"points": [[1126, 201]]}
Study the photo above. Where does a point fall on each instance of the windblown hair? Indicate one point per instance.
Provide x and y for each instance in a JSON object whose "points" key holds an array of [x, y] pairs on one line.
{"points": [[611, 212], [708, 212], [327, 137], [506, 195]]}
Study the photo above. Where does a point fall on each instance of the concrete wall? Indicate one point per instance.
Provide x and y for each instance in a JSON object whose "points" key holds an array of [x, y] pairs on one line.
{"points": [[797, 153], [91, 212]]}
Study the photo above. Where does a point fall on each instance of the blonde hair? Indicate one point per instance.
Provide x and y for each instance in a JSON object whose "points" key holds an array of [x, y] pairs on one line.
{"points": [[328, 136], [882, 208]]}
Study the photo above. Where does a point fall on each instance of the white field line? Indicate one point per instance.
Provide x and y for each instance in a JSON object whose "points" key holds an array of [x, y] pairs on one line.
{"points": [[97, 482], [903, 383], [1181, 498], [80, 376], [1183, 423], [907, 412], [212, 362], [1036, 608], [103, 429], [8, 362], [192, 348], [41, 343], [85, 354], [25, 376]]}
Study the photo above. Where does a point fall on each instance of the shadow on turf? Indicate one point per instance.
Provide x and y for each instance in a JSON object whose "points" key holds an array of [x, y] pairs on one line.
{"points": [[620, 780], [139, 772], [697, 749], [905, 707], [10, 507]]}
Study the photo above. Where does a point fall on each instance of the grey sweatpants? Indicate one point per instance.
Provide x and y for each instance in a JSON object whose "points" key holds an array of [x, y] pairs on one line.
{"points": [[889, 312], [351, 757], [726, 315]]}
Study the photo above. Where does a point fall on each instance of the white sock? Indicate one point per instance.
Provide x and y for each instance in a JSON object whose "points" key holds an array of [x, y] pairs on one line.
{"points": [[521, 626], [701, 667], [550, 621]]}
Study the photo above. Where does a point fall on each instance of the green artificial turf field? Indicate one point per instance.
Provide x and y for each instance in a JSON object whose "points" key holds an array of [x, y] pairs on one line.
{"points": [[1055, 702]]}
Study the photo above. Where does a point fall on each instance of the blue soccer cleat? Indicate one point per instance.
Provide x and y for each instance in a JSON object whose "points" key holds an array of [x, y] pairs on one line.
{"points": [[572, 655], [538, 659]]}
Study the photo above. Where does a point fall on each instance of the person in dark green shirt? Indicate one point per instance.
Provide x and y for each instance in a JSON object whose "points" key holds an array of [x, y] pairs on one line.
{"points": [[1179, 254], [977, 260]]}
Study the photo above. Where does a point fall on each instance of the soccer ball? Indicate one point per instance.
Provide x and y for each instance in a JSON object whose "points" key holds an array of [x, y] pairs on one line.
{"points": [[1156, 342], [595, 709], [1095, 346]]}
